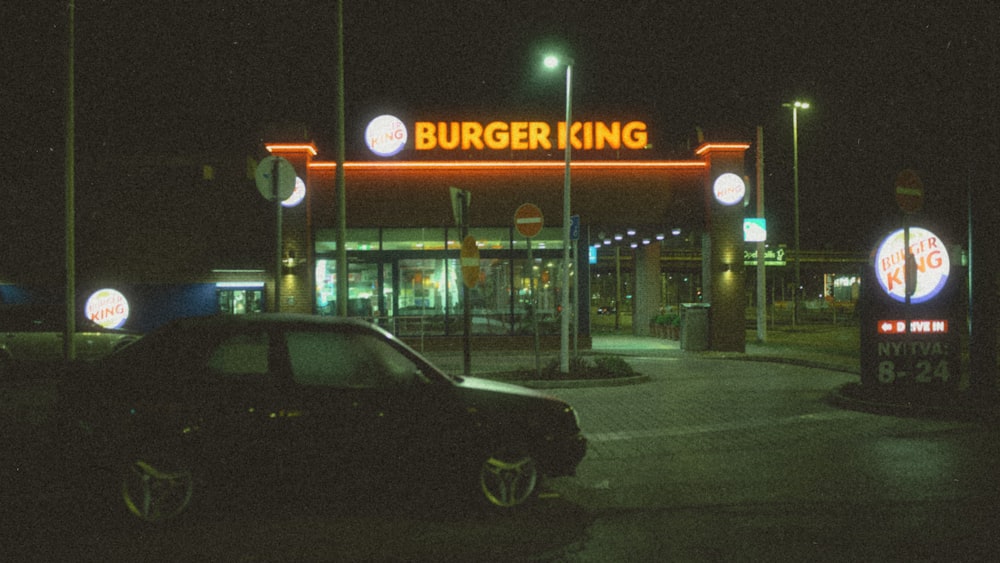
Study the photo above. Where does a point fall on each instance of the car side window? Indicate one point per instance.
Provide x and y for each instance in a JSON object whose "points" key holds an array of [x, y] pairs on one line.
{"points": [[241, 356], [347, 360]]}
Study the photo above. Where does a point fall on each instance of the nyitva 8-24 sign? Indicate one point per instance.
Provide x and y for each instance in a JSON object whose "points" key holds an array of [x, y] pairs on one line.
{"points": [[907, 341]]}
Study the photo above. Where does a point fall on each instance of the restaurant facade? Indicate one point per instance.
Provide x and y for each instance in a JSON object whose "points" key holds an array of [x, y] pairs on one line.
{"points": [[403, 239]]}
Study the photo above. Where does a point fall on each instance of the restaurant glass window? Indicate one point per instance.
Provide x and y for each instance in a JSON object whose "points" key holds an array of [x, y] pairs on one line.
{"points": [[544, 271], [240, 300], [550, 238], [415, 239], [487, 239], [363, 240], [362, 289], [422, 301], [490, 299]]}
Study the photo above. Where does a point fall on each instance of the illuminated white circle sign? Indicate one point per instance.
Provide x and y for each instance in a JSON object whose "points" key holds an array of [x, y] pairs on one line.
{"points": [[385, 135], [931, 260], [108, 308], [729, 189], [297, 195]]}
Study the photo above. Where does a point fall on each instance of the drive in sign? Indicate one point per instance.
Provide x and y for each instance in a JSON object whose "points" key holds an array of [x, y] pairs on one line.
{"points": [[906, 336], [930, 258]]}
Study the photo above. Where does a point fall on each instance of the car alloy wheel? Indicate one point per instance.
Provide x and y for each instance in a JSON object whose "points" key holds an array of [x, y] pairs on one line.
{"points": [[508, 481], [154, 494]]}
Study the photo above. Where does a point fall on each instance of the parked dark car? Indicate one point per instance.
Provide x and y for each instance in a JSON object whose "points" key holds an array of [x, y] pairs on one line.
{"points": [[205, 404], [32, 334]]}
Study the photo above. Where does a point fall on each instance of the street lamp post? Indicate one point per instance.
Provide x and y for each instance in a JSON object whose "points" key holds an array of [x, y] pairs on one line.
{"points": [[552, 62], [796, 106]]}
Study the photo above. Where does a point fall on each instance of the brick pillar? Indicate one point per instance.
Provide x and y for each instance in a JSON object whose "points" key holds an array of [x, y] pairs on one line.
{"points": [[297, 277], [726, 273]]}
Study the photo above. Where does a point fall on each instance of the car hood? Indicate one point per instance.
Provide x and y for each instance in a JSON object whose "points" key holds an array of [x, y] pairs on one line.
{"points": [[491, 386]]}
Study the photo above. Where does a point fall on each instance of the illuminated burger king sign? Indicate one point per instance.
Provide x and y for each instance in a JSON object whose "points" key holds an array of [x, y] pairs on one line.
{"points": [[386, 137], [108, 308], [930, 258]]}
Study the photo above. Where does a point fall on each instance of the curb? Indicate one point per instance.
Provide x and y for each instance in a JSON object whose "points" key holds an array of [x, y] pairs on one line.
{"points": [[581, 383], [970, 413]]}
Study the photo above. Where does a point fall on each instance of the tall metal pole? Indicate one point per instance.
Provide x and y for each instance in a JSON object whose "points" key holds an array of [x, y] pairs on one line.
{"points": [[534, 309], [618, 288], [69, 346], [339, 180], [798, 248], [466, 293], [564, 328], [761, 266], [278, 238]]}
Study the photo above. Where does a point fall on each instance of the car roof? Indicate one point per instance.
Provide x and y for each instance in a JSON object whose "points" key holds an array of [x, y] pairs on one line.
{"points": [[274, 320]]}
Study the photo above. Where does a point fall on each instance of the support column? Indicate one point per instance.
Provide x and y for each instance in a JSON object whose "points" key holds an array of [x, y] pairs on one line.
{"points": [[725, 283], [297, 275], [646, 298]]}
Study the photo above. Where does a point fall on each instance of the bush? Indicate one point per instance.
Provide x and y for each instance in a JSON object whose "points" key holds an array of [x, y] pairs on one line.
{"points": [[600, 367], [667, 320], [613, 366]]}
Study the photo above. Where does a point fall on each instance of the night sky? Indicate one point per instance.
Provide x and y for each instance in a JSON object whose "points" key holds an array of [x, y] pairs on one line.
{"points": [[893, 85]]}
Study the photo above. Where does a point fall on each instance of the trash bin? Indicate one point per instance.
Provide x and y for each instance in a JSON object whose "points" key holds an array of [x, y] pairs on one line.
{"points": [[694, 326]]}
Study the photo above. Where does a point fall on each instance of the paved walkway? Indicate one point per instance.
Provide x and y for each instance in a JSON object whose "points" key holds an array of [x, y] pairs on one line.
{"points": [[486, 362]]}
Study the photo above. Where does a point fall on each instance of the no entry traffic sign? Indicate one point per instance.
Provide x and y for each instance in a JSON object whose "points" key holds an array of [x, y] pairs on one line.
{"points": [[528, 220]]}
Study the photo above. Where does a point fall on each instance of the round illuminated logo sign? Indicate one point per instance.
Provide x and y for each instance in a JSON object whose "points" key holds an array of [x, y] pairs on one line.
{"points": [[931, 265], [729, 189], [108, 308], [385, 135], [298, 194]]}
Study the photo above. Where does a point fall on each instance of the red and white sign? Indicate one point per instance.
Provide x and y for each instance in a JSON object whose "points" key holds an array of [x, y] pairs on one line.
{"points": [[930, 258], [528, 220], [108, 308], [729, 189], [385, 135], [920, 326]]}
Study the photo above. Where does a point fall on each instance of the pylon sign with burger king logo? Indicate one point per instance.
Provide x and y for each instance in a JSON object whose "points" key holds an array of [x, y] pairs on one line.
{"points": [[909, 323]]}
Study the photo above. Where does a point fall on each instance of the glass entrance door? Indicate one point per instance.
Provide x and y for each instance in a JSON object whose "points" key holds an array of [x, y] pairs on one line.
{"points": [[363, 290], [240, 301]]}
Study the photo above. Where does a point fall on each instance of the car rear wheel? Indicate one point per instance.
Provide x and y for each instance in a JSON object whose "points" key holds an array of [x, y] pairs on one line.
{"points": [[156, 490], [508, 480]]}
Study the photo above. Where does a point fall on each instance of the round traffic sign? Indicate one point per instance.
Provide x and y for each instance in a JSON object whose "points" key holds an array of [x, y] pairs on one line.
{"points": [[470, 262], [275, 173], [909, 191], [528, 220]]}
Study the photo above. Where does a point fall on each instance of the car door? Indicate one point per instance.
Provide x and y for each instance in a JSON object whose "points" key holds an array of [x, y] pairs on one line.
{"points": [[234, 402], [365, 408], [219, 395]]}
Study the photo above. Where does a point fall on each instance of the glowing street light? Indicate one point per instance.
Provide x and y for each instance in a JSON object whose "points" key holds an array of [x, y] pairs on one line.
{"points": [[796, 106], [551, 61]]}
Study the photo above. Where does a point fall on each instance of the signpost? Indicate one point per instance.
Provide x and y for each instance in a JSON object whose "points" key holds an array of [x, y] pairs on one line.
{"points": [[908, 336], [528, 221], [470, 272], [275, 178]]}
